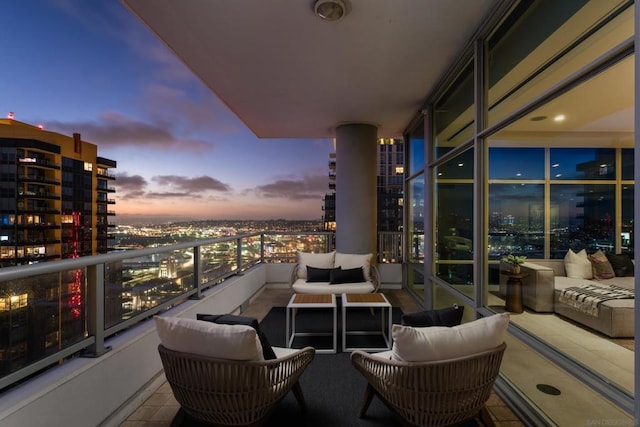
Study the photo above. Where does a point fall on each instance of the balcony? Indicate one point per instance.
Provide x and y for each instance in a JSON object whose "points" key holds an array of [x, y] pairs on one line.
{"points": [[97, 357], [110, 322], [123, 294]]}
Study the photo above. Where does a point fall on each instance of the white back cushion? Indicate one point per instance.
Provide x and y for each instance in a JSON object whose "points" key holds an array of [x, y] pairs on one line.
{"points": [[233, 342], [577, 265], [441, 343], [347, 261], [322, 260]]}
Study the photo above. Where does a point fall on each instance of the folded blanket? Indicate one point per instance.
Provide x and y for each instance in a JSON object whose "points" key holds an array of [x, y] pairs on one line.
{"points": [[587, 298]]}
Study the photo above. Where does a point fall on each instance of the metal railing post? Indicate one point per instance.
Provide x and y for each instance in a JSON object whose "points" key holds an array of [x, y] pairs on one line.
{"points": [[239, 255], [95, 310], [197, 273]]}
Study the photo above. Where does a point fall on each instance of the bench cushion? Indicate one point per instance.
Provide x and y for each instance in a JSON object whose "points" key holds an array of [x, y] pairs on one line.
{"points": [[301, 286]]}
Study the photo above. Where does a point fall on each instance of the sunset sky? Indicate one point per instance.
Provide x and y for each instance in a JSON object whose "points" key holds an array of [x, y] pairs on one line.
{"points": [[90, 67]]}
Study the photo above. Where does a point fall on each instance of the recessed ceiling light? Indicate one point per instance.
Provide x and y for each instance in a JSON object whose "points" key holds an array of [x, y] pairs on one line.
{"points": [[330, 10], [538, 118], [559, 118]]}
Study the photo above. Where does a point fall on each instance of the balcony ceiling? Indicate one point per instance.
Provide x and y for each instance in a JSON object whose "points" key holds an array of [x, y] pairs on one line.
{"points": [[287, 74]]}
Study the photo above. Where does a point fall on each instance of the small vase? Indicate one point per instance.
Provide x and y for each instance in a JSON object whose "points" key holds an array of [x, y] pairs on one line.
{"points": [[516, 269]]}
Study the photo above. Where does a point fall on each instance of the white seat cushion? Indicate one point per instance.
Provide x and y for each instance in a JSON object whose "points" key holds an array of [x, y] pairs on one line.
{"points": [[232, 342], [301, 286], [441, 343]]}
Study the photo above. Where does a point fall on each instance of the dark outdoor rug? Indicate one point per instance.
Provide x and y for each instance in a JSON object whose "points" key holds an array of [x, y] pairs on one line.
{"points": [[332, 387]]}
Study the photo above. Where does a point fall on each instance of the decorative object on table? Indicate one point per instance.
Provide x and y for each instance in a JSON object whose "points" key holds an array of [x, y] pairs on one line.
{"points": [[515, 261]]}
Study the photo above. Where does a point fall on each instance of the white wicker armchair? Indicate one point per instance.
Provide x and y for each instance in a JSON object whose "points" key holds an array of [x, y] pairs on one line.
{"points": [[439, 393], [230, 392]]}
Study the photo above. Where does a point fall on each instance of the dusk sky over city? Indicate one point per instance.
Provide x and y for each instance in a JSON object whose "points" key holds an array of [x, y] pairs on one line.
{"points": [[91, 67]]}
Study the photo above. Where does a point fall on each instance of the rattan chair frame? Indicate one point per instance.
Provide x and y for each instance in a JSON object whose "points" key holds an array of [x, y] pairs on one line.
{"points": [[439, 393], [233, 393]]}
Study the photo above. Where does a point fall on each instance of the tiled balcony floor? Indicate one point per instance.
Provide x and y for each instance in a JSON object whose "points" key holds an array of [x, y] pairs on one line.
{"points": [[160, 409]]}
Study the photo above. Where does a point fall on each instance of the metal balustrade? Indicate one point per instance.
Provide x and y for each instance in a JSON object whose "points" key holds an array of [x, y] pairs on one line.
{"points": [[56, 310]]}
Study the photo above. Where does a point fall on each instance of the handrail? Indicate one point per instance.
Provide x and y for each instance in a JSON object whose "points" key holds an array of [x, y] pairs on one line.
{"points": [[88, 285]]}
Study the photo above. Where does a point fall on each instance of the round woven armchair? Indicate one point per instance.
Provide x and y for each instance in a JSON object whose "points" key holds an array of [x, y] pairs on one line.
{"points": [[229, 392], [437, 393]]}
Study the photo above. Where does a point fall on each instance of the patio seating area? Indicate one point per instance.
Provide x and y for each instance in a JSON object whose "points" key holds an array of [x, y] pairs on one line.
{"points": [[161, 408]]}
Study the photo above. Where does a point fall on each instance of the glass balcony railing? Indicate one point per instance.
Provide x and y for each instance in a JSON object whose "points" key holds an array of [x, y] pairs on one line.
{"points": [[53, 311]]}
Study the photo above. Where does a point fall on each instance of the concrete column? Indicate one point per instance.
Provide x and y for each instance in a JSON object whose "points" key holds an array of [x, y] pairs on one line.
{"points": [[356, 193]]}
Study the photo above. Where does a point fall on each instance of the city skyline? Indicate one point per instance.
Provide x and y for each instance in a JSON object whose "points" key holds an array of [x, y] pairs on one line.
{"points": [[92, 68]]}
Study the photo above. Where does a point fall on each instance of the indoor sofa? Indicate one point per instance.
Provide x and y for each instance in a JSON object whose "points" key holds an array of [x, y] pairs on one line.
{"points": [[545, 290], [334, 273]]}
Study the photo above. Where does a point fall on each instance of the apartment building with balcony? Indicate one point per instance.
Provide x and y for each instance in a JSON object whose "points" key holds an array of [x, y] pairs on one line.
{"points": [[55, 203], [57, 196]]}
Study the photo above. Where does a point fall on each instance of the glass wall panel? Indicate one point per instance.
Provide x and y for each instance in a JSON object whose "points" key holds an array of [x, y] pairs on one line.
{"points": [[415, 236], [582, 200], [581, 217], [543, 42], [454, 222], [416, 150], [628, 170], [582, 163], [454, 114], [516, 220], [443, 299], [516, 163], [416, 219], [626, 244]]}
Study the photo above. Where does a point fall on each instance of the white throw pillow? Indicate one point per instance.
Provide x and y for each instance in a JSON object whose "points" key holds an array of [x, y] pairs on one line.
{"points": [[441, 343], [347, 261], [232, 342], [322, 260], [577, 265]]}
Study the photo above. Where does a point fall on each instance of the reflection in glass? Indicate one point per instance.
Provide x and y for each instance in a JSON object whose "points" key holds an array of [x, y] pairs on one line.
{"points": [[415, 235], [628, 170], [416, 149], [416, 219], [543, 42], [582, 217], [626, 244], [454, 113], [454, 221], [41, 315], [582, 163], [516, 220], [461, 168], [516, 163]]}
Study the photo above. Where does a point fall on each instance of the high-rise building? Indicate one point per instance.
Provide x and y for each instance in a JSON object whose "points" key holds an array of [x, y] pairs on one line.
{"points": [[54, 196], [390, 180]]}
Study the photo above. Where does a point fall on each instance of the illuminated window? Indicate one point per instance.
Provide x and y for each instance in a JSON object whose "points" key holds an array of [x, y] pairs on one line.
{"points": [[88, 166]]}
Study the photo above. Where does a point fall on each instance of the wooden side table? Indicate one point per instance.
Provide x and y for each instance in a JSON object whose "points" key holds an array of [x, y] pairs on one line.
{"points": [[513, 301]]}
